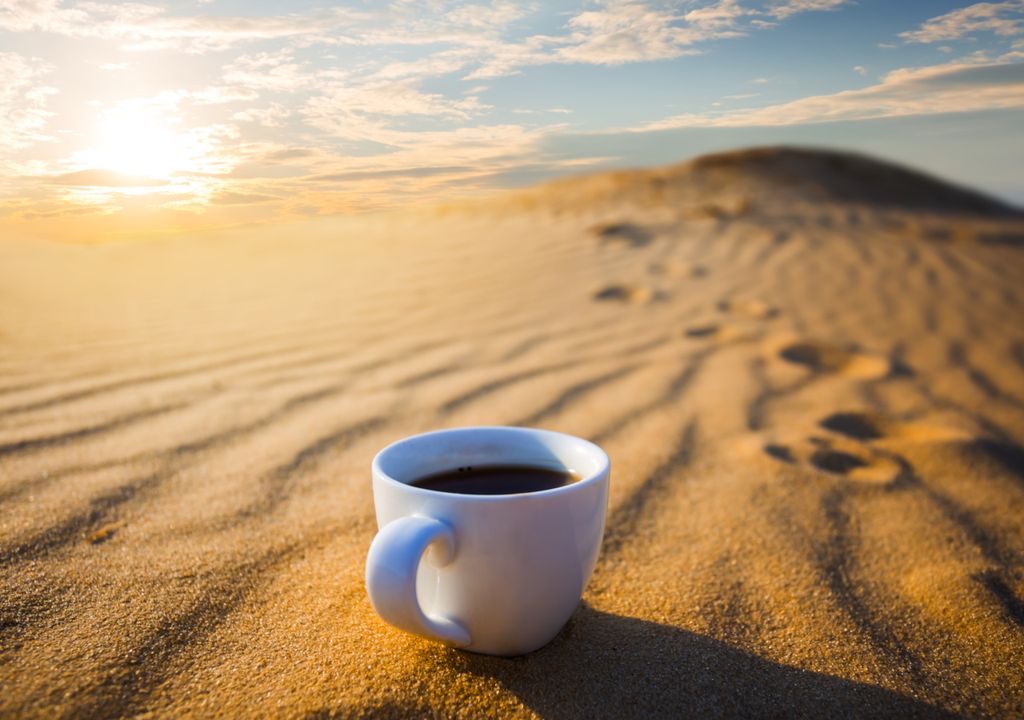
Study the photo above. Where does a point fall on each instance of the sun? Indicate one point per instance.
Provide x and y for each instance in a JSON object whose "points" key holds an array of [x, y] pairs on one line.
{"points": [[138, 144]]}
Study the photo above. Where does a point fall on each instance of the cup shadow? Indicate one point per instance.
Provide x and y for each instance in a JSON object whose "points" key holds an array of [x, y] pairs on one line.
{"points": [[609, 666]]}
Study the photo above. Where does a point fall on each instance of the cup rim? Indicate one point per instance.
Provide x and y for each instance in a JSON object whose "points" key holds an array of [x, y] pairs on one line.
{"points": [[602, 472]]}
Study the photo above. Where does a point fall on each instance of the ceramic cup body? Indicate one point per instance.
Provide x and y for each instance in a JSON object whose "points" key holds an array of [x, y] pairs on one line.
{"points": [[494, 574]]}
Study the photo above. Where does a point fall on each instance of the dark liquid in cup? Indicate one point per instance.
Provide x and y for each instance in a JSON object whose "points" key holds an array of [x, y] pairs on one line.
{"points": [[496, 480]]}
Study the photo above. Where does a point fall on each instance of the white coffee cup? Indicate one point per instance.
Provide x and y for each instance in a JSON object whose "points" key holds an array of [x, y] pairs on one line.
{"points": [[494, 574]]}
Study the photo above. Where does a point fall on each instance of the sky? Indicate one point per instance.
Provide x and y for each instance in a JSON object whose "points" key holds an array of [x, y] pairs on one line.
{"points": [[138, 119]]}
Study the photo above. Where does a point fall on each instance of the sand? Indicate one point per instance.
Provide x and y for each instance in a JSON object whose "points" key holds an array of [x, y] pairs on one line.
{"points": [[812, 394]]}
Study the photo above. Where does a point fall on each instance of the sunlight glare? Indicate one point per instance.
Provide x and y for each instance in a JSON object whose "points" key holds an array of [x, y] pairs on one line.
{"points": [[138, 144]]}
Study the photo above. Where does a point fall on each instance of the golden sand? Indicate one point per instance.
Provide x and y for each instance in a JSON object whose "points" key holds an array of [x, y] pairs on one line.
{"points": [[813, 401]]}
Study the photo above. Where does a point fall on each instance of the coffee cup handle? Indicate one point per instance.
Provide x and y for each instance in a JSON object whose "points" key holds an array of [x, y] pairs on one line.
{"points": [[391, 566]]}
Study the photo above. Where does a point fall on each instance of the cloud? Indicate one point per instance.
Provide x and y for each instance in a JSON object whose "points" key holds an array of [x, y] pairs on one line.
{"points": [[627, 32], [436, 65], [146, 27], [723, 14], [615, 34], [275, 71], [1001, 18], [270, 117], [635, 32], [500, 58], [497, 14], [727, 13], [292, 153], [27, 15], [1016, 52], [237, 198], [170, 102], [783, 10], [440, 22], [918, 91], [395, 172], [359, 110], [101, 178], [23, 101], [219, 95]]}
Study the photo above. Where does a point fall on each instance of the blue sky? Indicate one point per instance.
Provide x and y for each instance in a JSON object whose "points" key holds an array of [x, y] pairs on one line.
{"points": [[141, 117]]}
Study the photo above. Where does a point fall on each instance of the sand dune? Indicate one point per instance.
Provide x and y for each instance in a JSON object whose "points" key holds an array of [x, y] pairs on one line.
{"points": [[807, 368]]}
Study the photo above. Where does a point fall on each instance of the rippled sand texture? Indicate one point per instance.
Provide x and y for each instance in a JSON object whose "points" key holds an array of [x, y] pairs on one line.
{"points": [[813, 399]]}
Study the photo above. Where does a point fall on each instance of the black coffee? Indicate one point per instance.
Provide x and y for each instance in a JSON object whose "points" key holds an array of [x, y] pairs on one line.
{"points": [[496, 480]]}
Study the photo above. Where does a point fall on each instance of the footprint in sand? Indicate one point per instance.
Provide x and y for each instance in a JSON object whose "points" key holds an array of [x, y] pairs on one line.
{"points": [[862, 447], [627, 294], [839, 457], [750, 308], [744, 310], [823, 357], [872, 426], [678, 269], [621, 232], [948, 445], [715, 331]]}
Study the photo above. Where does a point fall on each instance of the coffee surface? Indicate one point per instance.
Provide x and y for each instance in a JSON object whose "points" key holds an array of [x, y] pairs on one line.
{"points": [[496, 480]]}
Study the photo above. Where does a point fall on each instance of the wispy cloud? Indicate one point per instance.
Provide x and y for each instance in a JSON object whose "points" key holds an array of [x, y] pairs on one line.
{"points": [[23, 101], [271, 117], [630, 32], [912, 91], [139, 26], [408, 172], [719, 16], [237, 198], [363, 110], [617, 33], [1002, 18], [277, 71], [786, 8], [100, 178]]}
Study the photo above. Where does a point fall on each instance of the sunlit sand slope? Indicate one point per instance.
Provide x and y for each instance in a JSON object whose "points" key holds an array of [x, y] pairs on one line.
{"points": [[808, 372]]}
